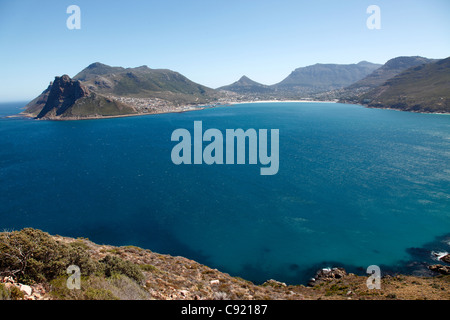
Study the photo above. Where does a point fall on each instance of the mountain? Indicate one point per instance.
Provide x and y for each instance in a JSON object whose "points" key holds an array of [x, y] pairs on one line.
{"points": [[143, 82], [66, 98], [324, 77], [96, 69], [247, 86], [100, 90], [389, 70], [423, 88]]}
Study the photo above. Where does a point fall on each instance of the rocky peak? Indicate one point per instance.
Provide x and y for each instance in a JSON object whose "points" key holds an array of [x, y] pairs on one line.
{"points": [[63, 93]]}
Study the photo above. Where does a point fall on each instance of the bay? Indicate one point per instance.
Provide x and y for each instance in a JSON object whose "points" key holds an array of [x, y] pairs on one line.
{"points": [[355, 187]]}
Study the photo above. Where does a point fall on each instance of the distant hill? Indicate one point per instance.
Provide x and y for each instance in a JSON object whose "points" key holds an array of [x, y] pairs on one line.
{"points": [[424, 88], [324, 77], [247, 86], [389, 70]]}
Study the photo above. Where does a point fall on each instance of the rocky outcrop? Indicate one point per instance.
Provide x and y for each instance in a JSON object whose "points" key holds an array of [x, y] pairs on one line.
{"points": [[68, 99], [327, 274], [63, 94], [440, 269], [446, 258]]}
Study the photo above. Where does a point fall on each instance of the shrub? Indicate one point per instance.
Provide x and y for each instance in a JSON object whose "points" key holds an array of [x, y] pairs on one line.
{"points": [[15, 293], [99, 294], [4, 292], [148, 268], [115, 265], [32, 255]]}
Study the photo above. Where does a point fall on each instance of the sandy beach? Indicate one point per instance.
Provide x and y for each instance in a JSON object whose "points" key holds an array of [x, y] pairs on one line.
{"points": [[281, 101]]}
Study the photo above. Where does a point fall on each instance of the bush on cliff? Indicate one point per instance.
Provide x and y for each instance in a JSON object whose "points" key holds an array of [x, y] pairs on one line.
{"points": [[32, 255]]}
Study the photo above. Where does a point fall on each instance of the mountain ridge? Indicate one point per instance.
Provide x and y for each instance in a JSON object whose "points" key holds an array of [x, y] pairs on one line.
{"points": [[423, 88], [100, 90]]}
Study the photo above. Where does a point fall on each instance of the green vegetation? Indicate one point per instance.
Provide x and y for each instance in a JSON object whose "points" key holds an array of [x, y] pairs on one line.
{"points": [[12, 293], [424, 88], [98, 105], [32, 256], [143, 82]]}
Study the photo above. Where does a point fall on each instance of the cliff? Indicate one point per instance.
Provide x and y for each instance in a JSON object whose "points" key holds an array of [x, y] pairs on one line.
{"points": [[66, 98], [33, 265]]}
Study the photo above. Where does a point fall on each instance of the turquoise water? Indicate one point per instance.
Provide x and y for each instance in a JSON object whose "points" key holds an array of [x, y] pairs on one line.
{"points": [[355, 187]]}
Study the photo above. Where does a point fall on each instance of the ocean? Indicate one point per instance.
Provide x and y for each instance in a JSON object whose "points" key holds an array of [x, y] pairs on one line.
{"points": [[355, 187]]}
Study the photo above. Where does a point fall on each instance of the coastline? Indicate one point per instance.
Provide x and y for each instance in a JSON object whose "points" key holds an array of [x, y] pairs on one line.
{"points": [[153, 276], [97, 117], [183, 109], [282, 101], [393, 109]]}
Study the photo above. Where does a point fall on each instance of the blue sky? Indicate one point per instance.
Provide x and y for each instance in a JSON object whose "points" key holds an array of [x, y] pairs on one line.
{"points": [[212, 42]]}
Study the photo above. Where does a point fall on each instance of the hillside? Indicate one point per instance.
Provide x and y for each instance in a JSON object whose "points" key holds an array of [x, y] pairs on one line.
{"points": [[143, 82], [424, 88], [389, 70], [324, 77], [33, 267]]}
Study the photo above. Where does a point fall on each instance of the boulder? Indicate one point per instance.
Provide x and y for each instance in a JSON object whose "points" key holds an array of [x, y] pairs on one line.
{"points": [[213, 282], [327, 274], [26, 289], [274, 283]]}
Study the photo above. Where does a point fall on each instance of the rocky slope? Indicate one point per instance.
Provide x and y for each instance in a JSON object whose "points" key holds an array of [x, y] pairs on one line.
{"points": [[143, 274], [66, 98], [389, 70], [424, 88]]}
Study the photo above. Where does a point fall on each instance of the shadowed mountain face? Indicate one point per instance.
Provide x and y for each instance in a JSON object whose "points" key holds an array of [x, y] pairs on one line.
{"points": [[424, 88], [62, 95], [66, 98]]}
